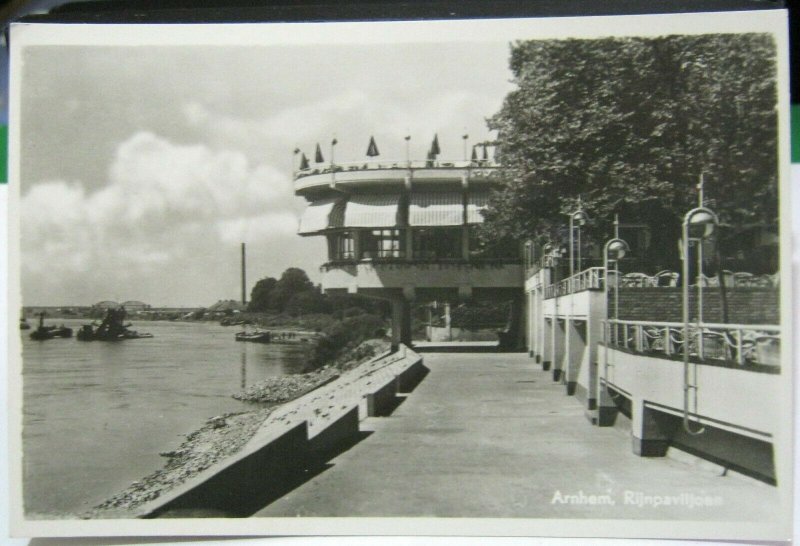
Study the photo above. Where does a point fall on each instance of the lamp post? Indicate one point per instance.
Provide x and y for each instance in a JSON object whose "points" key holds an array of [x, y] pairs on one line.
{"points": [[699, 224], [614, 251], [577, 218]]}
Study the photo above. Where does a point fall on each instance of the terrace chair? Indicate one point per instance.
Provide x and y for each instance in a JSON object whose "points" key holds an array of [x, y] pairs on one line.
{"points": [[666, 278], [706, 281], [637, 280], [742, 278]]}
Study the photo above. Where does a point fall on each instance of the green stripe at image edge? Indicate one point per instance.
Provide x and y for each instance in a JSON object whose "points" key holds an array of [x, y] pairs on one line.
{"points": [[795, 123]]}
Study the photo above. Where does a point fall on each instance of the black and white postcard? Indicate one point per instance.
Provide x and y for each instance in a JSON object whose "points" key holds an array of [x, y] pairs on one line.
{"points": [[476, 277]]}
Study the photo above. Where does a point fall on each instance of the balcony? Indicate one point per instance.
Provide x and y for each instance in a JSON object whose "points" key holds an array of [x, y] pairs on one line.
{"points": [[399, 273], [397, 173]]}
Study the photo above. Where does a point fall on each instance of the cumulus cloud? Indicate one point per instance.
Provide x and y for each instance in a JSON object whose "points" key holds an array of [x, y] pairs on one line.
{"points": [[165, 206]]}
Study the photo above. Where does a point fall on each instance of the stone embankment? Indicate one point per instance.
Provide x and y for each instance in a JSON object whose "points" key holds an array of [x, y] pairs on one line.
{"points": [[278, 400]]}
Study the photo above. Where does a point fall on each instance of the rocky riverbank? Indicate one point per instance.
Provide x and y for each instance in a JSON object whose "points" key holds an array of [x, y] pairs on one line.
{"points": [[224, 435]]}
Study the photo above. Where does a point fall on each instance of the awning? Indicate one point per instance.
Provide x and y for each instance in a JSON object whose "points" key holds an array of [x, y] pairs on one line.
{"points": [[318, 216], [476, 202], [436, 209], [372, 210]]}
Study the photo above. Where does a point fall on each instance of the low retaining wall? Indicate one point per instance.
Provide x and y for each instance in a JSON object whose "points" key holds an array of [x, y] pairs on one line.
{"points": [[296, 438], [740, 420]]}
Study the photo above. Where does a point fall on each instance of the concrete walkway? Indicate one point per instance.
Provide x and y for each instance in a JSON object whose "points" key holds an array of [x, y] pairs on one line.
{"points": [[490, 435]]}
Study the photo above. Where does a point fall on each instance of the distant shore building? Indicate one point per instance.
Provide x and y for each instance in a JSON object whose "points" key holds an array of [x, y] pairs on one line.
{"points": [[134, 306], [106, 304], [131, 306], [404, 231]]}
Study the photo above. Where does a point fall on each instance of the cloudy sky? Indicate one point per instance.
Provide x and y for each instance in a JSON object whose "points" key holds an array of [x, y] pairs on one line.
{"points": [[144, 167]]}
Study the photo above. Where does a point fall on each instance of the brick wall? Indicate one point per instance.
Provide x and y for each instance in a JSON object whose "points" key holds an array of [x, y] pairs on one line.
{"points": [[745, 305]]}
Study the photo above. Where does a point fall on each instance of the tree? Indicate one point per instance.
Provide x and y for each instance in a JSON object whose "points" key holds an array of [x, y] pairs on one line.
{"points": [[629, 124], [293, 281], [307, 302], [260, 295]]}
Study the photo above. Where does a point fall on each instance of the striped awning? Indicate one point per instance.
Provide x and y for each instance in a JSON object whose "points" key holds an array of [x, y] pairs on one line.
{"points": [[476, 202], [319, 216], [372, 210], [436, 209]]}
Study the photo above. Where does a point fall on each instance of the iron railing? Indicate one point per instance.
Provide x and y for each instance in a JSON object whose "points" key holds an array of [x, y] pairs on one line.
{"points": [[743, 344], [350, 166]]}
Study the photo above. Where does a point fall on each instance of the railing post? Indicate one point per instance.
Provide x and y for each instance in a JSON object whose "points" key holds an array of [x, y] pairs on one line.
{"points": [[625, 335], [739, 347], [667, 341], [701, 353]]}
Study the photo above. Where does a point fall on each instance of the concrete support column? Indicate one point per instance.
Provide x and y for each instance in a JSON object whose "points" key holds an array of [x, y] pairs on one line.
{"points": [[594, 335], [558, 348], [575, 352], [409, 235], [401, 322], [606, 407], [465, 242], [540, 353], [651, 430], [547, 343], [532, 326]]}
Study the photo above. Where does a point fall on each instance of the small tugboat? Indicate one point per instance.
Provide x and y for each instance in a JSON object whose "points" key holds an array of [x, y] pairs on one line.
{"points": [[254, 337], [49, 332], [111, 329], [277, 338]]}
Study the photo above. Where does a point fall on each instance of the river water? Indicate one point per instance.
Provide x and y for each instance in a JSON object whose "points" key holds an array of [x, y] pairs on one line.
{"points": [[96, 415]]}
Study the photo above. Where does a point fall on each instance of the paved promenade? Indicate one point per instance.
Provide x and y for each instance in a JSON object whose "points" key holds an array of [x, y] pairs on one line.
{"points": [[490, 435]]}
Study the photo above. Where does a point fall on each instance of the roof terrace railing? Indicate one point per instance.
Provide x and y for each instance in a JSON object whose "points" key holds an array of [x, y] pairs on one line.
{"points": [[398, 164], [742, 344], [588, 279], [592, 279]]}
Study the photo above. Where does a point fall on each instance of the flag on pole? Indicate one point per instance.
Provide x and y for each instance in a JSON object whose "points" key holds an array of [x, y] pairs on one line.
{"points": [[334, 142], [372, 149], [296, 151], [303, 162], [318, 156], [435, 146]]}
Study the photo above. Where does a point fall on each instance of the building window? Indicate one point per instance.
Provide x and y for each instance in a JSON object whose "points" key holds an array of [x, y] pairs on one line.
{"points": [[383, 243], [342, 246], [437, 244]]}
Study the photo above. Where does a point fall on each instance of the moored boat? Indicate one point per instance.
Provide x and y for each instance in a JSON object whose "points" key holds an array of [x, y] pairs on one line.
{"points": [[49, 332], [255, 337], [111, 329]]}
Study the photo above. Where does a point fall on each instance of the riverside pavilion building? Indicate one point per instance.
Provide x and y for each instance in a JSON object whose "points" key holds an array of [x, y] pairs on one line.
{"points": [[404, 231]]}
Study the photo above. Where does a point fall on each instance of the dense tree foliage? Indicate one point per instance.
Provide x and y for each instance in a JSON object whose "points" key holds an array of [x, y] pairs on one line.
{"points": [[294, 294], [629, 124], [293, 281], [260, 295]]}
